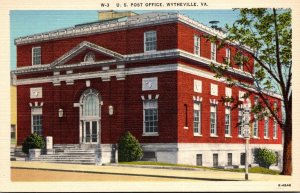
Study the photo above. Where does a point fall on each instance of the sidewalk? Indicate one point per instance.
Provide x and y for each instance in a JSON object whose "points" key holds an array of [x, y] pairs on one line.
{"points": [[207, 175]]}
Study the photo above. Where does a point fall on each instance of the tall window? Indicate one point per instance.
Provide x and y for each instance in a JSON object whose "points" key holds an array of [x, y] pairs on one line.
{"points": [[197, 45], [227, 121], [197, 118], [229, 159], [199, 159], [255, 127], [36, 121], [213, 53], [36, 55], [275, 130], [243, 159], [266, 127], [215, 160], [227, 58], [240, 121], [185, 115], [150, 116], [213, 119], [150, 41], [242, 62]]}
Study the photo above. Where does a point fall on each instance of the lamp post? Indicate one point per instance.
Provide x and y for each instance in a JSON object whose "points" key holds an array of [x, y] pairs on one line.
{"points": [[246, 132]]}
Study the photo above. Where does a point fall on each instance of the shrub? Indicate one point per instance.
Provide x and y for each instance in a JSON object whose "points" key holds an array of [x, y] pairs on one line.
{"points": [[264, 157], [129, 148], [33, 141]]}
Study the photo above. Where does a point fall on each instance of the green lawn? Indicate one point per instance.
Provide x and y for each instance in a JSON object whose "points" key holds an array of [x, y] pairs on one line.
{"points": [[251, 170]]}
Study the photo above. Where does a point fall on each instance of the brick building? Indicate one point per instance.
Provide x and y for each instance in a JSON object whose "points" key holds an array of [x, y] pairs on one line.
{"points": [[148, 74]]}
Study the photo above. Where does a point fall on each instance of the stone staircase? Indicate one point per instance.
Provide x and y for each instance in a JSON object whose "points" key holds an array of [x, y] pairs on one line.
{"points": [[16, 154], [69, 154]]}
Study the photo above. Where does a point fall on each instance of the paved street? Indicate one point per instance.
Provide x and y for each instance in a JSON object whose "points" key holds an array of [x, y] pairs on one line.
{"points": [[21, 175], [71, 172]]}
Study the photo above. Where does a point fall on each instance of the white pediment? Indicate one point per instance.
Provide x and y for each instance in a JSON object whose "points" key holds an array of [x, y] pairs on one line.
{"points": [[82, 47]]}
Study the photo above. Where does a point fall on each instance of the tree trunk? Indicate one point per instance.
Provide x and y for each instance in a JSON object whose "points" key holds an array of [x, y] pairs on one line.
{"points": [[287, 149]]}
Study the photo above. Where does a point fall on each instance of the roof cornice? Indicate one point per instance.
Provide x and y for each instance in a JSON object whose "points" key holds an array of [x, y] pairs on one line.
{"points": [[132, 22]]}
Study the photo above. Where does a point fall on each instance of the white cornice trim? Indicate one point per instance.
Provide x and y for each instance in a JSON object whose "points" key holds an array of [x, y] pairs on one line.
{"points": [[122, 72], [132, 22], [127, 59]]}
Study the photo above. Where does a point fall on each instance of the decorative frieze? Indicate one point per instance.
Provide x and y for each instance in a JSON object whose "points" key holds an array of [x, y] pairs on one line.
{"points": [[149, 84], [214, 89], [36, 93], [198, 86]]}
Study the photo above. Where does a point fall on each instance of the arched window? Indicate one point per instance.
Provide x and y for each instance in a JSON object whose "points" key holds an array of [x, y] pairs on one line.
{"points": [[91, 105]]}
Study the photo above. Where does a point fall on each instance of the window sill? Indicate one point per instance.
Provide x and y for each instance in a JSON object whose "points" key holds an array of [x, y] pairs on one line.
{"points": [[197, 135], [240, 136], [185, 127], [254, 137], [213, 135], [150, 51], [266, 137], [275, 138], [229, 136], [150, 134]]}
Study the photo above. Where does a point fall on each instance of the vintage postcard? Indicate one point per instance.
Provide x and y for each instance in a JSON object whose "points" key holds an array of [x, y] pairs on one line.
{"points": [[119, 96]]}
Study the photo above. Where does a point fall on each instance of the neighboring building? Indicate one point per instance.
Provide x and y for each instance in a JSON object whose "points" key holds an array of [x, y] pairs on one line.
{"points": [[13, 114], [149, 75]]}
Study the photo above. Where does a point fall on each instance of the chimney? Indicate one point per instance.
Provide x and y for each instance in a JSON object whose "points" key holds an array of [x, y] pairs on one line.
{"points": [[109, 15]]}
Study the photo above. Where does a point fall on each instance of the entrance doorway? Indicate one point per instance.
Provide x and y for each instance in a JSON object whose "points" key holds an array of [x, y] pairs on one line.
{"points": [[90, 133], [90, 117]]}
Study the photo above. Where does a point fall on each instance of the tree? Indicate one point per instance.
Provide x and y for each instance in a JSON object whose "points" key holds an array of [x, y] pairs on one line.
{"points": [[129, 148], [267, 34], [264, 157], [33, 141]]}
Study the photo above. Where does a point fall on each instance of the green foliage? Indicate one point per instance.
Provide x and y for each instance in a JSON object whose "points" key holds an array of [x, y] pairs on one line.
{"points": [[260, 170], [264, 157], [129, 148], [33, 141]]}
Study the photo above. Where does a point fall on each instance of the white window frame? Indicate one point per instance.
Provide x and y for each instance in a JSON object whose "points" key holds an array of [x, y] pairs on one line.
{"points": [[266, 127], [228, 92], [275, 129], [90, 111], [197, 124], [227, 122], [33, 56], [228, 55], [255, 127], [240, 122], [241, 67], [213, 51], [145, 108], [36, 111], [154, 41], [197, 45], [213, 123]]}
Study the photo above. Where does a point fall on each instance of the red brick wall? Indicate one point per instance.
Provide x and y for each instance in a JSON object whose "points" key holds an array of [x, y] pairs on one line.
{"points": [[128, 41], [186, 42], [123, 95], [185, 96]]}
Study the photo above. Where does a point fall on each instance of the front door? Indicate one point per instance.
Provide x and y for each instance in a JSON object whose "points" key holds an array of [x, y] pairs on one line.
{"points": [[90, 132], [90, 117]]}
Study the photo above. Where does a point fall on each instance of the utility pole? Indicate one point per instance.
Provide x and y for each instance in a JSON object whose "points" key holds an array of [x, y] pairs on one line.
{"points": [[246, 132]]}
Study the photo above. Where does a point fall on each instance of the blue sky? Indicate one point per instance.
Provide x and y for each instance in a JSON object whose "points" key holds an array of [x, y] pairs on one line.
{"points": [[29, 22]]}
